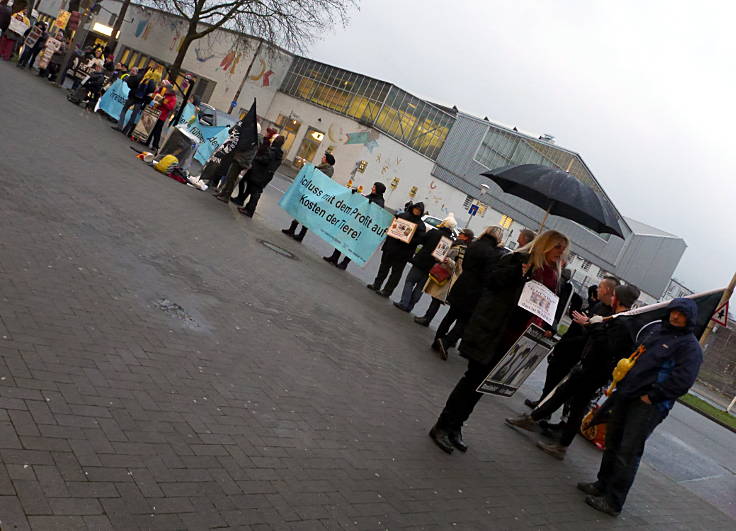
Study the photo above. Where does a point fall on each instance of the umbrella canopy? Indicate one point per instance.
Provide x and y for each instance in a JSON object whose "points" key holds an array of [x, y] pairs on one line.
{"points": [[560, 194]]}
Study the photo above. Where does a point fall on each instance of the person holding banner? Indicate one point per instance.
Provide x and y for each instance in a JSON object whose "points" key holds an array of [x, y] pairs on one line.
{"points": [[496, 324], [326, 167], [665, 371], [396, 252]]}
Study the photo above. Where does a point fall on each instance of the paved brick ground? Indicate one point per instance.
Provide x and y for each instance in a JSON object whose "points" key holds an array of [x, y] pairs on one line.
{"points": [[161, 369]]}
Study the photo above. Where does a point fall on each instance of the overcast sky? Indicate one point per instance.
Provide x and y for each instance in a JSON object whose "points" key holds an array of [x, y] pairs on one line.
{"points": [[642, 90]]}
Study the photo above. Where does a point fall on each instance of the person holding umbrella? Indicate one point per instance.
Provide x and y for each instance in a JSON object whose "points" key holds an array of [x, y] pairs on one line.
{"points": [[496, 324]]}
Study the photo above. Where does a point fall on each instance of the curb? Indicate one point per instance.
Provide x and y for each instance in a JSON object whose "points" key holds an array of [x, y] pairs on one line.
{"points": [[717, 421]]}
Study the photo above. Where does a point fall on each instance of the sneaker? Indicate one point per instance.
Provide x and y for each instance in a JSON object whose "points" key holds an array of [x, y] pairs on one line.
{"points": [[525, 422], [591, 489], [599, 503], [555, 450]]}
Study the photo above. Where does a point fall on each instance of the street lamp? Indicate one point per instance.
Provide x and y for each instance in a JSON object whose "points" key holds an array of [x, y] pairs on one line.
{"points": [[483, 189]]}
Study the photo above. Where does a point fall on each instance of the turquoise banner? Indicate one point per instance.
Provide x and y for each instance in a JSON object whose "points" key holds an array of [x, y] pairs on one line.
{"points": [[112, 101], [344, 219]]}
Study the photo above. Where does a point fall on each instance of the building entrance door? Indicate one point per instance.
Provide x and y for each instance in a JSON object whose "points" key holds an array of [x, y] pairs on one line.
{"points": [[308, 149]]}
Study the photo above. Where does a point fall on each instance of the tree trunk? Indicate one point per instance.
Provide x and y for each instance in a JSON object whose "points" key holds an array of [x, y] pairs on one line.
{"points": [[183, 49], [116, 28]]}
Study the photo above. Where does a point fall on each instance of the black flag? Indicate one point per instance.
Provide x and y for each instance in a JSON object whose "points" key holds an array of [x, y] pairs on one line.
{"points": [[247, 130]]}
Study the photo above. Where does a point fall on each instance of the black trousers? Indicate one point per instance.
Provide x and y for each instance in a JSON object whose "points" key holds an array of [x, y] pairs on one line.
{"points": [[155, 137], [577, 389], [462, 399], [292, 229], [632, 422], [249, 190], [558, 367], [459, 318], [231, 179], [395, 266], [335, 258]]}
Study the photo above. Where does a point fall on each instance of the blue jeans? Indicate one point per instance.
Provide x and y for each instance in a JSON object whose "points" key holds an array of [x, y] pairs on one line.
{"points": [[413, 287], [127, 105], [134, 116], [632, 422]]}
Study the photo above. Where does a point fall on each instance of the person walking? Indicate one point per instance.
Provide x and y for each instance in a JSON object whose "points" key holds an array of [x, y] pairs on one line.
{"points": [[422, 262], [496, 324], [607, 343], [326, 167], [665, 371], [453, 263], [264, 167], [375, 197], [479, 257], [396, 253], [132, 81], [166, 101]]}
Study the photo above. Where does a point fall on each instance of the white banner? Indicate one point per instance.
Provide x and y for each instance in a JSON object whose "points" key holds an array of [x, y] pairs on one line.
{"points": [[539, 300]]}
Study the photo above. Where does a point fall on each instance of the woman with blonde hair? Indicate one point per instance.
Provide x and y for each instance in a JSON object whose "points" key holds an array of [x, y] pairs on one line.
{"points": [[497, 322]]}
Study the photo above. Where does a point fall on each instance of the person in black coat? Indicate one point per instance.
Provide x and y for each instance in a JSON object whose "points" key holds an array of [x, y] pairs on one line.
{"points": [[395, 253], [375, 197], [28, 57], [133, 80], [422, 262], [258, 177], [496, 324], [481, 255]]}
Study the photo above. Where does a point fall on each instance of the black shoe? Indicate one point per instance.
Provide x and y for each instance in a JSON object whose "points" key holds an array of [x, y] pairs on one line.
{"points": [[372, 287], [531, 404], [457, 441], [342, 265], [400, 307], [116, 128], [421, 321], [248, 213], [237, 201], [554, 428], [287, 232], [298, 238], [329, 260], [599, 503], [439, 346], [590, 489], [384, 293], [442, 439]]}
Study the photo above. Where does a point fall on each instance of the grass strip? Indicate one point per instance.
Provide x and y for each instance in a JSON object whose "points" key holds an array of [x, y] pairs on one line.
{"points": [[720, 416]]}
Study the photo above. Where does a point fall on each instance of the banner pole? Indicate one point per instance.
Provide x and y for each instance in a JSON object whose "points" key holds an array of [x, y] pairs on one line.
{"points": [[724, 299]]}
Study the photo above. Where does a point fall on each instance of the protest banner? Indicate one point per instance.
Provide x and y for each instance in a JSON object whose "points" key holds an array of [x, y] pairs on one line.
{"points": [[443, 247], [52, 46], [345, 220], [112, 101], [518, 363], [62, 19], [18, 25], [536, 298], [402, 230]]}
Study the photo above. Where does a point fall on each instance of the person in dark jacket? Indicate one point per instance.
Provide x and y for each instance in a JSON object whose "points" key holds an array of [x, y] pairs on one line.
{"points": [[396, 253], [482, 254], [326, 167], [133, 80], [142, 94], [422, 262], [496, 324], [264, 167], [28, 57], [5, 14], [375, 197], [607, 343], [664, 372]]}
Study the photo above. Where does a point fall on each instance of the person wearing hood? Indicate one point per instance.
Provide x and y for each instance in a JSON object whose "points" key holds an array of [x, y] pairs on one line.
{"points": [[328, 168], [665, 371], [422, 262], [264, 167], [396, 253], [375, 197], [480, 255]]}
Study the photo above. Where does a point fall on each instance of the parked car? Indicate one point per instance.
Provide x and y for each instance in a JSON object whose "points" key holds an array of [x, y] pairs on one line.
{"points": [[431, 222]]}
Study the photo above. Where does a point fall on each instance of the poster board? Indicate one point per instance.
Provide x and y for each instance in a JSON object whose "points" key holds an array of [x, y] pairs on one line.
{"points": [[443, 248], [17, 26], [518, 363], [402, 230], [537, 299], [143, 128], [33, 37]]}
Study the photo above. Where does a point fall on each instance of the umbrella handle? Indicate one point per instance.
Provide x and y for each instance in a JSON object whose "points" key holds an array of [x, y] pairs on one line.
{"points": [[546, 215]]}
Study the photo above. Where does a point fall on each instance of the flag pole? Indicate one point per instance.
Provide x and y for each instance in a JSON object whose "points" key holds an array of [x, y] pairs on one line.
{"points": [[724, 299]]}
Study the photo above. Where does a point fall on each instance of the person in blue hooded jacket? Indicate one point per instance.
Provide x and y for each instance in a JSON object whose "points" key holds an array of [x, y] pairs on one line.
{"points": [[643, 398]]}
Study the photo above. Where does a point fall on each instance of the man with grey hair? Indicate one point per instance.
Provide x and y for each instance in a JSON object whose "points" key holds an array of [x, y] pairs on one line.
{"points": [[525, 237]]}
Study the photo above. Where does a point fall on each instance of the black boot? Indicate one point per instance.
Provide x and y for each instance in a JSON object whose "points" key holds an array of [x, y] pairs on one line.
{"points": [[456, 438], [442, 439], [291, 229], [344, 264]]}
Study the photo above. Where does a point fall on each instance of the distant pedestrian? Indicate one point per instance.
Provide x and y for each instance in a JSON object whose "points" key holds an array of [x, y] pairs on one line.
{"points": [[375, 197], [665, 371], [453, 264], [396, 253], [526, 236], [326, 167], [480, 256], [263, 170], [496, 324]]}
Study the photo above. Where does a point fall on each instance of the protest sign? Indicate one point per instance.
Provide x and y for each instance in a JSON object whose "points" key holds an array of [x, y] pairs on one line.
{"points": [[210, 137], [52, 45], [443, 247], [33, 36], [539, 300], [18, 25], [62, 19], [518, 363], [345, 220], [402, 229], [112, 101]]}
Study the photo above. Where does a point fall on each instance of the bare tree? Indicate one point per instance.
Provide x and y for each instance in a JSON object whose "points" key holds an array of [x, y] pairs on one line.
{"points": [[292, 24]]}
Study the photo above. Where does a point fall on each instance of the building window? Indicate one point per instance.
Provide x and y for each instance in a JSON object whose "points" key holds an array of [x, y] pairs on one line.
{"points": [[601, 273], [506, 222], [586, 265], [468, 201]]}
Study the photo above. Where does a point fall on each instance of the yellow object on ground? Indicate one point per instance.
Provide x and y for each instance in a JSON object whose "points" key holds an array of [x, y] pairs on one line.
{"points": [[166, 163]]}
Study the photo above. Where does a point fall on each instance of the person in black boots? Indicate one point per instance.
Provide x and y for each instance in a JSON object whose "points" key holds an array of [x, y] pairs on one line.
{"points": [[496, 324], [327, 167], [264, 166], [376, 196], [396, 253], [480, 255]]}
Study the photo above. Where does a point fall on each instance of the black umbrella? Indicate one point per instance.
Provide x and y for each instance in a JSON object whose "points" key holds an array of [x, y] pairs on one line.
{"points": [[560, 194]]}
